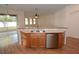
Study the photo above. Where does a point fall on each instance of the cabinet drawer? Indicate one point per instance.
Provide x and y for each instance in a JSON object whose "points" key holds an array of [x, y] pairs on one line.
{"points": [[42, 34], [24, 38], [25, 35], [38, 34]]}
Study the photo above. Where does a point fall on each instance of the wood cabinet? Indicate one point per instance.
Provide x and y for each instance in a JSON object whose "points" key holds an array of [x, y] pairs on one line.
{"points": [[34, 40], [42, 40], [60, 40], [38, 40], [25, 39]]}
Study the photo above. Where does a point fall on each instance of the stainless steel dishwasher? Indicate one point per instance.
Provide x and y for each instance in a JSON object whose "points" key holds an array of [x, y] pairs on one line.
{"points": [[52, 40]]}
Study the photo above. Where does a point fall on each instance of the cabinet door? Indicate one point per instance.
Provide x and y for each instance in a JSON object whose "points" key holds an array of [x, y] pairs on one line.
{"points": [[25, 39], [42, 40], [34, 40], [23, 42], [60, 40]]}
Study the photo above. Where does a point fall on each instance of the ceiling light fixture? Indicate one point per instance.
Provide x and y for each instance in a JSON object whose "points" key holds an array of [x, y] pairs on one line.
{"points": [[36, 14]]}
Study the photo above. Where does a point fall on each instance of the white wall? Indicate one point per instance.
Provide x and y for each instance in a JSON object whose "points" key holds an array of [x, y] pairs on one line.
{"points": [[68, 17], [59, 18], [46, 21]]}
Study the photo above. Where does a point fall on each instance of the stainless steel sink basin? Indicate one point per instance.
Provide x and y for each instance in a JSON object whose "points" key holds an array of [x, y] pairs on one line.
{"points": [[38, 30]]}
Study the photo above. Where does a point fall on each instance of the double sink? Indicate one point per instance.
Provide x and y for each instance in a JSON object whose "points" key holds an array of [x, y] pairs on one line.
{"points": [[37, 30]]}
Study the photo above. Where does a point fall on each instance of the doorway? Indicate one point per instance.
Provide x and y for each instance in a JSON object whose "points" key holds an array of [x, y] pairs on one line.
{"points": [[8, 30]]}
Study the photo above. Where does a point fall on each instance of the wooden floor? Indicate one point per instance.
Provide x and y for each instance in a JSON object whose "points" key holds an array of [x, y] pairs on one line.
{"points": [[72, 47]]}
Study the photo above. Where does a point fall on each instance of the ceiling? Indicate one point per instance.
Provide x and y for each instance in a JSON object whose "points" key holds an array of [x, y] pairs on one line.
{"points": [[43, 9]]}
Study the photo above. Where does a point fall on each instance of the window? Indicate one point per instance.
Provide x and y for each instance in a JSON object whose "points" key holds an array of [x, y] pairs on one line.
{"points": [[26, 21], [30, 21], [34, 21], [8, 22]]}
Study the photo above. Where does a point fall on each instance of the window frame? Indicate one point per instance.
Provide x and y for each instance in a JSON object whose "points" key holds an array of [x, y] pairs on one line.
{"points": [[12, 20], [29, 25]]}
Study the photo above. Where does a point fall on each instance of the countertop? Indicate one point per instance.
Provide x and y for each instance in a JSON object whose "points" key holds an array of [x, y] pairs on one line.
{"points": [[43, 29]]}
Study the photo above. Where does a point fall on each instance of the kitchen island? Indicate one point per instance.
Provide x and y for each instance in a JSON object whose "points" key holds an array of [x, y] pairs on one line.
{"points": [[43, 38]]}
